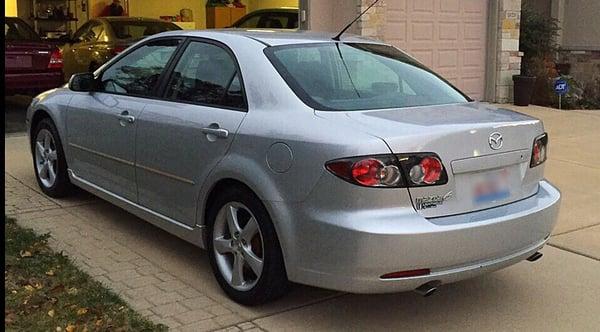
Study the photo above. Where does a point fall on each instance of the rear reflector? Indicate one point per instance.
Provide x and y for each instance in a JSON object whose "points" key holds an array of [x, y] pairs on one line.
{"points": [[406, 274]]}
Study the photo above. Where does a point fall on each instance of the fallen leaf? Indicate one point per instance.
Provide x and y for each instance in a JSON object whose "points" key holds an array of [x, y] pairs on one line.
{"points": [[29, 288], [57, 288], [14, 291], [72, 291], [9, 318], [25, 253], [58, 329], [50, 273], [98, 322], [121, 307], [37, 285], [70, 328], [82, 311], [53, 300], [51, 313]]}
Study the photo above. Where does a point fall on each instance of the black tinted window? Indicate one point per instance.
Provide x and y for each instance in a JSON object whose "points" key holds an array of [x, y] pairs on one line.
{"points": [[15, 29], [206, 74], [138, 72], [140, 29]]}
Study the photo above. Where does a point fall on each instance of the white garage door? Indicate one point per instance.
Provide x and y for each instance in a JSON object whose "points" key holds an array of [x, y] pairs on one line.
{"points": [[448, 36]]}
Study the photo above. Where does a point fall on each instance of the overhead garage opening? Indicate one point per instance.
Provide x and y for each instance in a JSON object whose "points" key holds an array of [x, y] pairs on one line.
{"points": [[210, 14]]}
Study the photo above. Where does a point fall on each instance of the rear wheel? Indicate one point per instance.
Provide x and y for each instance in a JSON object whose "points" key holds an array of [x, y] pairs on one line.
{"points": [[244, 250], [49, 161]]}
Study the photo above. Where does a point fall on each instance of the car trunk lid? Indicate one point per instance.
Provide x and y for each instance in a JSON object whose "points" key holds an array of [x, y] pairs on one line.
{"points": [[481, 174]]}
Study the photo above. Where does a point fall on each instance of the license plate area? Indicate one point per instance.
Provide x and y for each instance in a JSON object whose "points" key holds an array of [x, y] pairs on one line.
{"points": [[19, 61], [490, 187]]}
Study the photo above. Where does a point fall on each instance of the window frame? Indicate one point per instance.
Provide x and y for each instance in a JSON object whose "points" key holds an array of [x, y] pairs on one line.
{"points": [[155, 94], [310, 102], [163, 86]]}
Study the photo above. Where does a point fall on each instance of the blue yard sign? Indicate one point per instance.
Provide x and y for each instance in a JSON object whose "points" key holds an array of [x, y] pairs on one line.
{"points": [[560, 87]]}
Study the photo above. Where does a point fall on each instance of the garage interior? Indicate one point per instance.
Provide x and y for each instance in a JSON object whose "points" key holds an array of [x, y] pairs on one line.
{"points": [[52, 18]]}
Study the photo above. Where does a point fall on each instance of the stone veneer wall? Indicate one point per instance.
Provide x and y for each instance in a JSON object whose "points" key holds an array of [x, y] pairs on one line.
{"points": [[508, 57], [372, 24]]}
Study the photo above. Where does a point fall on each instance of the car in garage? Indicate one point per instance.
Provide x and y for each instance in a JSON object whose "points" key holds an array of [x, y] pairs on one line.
{"points": [[100, 39], [30, 64], [271, 18], [337, 162]]}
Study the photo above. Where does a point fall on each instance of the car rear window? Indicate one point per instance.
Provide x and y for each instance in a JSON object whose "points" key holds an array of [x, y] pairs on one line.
{"points": [[15, 30], [140, 29], [358, 76]]}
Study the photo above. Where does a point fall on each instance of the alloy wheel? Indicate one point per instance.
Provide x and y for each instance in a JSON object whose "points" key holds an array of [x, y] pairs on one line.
{"points": [[46, 158], [238, 246]]}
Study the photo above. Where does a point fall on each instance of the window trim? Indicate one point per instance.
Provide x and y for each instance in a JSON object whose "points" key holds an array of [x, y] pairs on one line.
{"points": [[155, 92], [162, 88], [309, 101]]}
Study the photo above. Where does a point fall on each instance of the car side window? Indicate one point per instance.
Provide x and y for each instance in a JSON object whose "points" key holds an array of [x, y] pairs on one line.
{"points": [[250, 22], [206, 74], [95, 32], [79, 34], [137, 73]]}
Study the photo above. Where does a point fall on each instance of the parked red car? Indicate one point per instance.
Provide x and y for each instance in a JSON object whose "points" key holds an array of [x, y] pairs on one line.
{"points": [[30, 65]]}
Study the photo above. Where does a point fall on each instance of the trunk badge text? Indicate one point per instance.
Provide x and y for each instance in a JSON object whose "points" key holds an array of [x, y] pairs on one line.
{"points": [[422, 203], [495, 140]]}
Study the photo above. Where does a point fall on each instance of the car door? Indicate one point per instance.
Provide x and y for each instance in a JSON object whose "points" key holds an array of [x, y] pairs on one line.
{"points": [[182, 137], [101, 126]]}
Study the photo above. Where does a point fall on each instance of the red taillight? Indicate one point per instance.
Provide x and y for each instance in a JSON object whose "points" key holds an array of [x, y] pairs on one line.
{"points": [[56, 60], [406, 274], [427, 171], [118, 49], [539, 151], [375, 171], [367, 171]]}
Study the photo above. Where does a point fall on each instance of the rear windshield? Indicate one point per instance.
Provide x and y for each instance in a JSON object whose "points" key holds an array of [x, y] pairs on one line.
{"points": [[15, 29], [140, 29], [352, 76]]}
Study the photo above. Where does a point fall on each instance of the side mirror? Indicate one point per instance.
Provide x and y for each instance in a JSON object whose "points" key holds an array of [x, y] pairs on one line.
{"points": [[82, 82]]}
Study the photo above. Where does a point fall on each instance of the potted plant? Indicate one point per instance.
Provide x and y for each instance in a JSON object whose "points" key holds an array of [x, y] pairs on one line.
{"points": [[537, 42]]}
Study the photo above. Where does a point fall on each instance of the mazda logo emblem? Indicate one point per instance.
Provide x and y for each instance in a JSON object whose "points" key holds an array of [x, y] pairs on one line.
{"points": [[495, 141]]}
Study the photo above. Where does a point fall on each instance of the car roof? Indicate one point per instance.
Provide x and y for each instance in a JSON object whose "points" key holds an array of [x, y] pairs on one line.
{"points": [[274, 37], [128, 19]]}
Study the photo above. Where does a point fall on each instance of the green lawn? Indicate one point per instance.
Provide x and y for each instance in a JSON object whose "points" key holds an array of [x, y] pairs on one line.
{"points": [[46, 292]]}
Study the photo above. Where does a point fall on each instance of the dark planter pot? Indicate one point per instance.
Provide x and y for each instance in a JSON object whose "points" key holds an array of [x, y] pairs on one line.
{"points": [[523, 89]]}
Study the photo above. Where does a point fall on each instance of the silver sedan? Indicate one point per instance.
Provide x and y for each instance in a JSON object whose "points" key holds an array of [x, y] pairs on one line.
{"points": [[292, 157]]}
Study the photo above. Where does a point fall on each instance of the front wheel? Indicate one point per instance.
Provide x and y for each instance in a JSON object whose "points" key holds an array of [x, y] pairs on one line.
{"points": [[244, 250], [49, 161]]}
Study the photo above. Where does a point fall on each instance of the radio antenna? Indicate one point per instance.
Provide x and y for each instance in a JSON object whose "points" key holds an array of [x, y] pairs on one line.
{"points": [[337, 37]]}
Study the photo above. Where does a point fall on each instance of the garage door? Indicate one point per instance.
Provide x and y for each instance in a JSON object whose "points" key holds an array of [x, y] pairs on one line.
{"points": [[448, 36]]}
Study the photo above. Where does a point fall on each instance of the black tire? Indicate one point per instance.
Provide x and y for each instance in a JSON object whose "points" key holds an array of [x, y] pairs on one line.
{"points": [[62, 185], [273, 282]]}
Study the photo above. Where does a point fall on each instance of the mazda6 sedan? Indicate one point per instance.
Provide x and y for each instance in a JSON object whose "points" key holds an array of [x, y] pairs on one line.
{"points": [[293, 157]]}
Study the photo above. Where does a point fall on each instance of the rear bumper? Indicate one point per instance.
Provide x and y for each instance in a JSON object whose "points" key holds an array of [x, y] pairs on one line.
{"points": [[32, 82], [350, 251]]}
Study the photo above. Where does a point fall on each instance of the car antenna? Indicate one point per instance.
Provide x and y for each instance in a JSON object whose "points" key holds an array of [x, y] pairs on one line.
{"points": [[337, 37]]}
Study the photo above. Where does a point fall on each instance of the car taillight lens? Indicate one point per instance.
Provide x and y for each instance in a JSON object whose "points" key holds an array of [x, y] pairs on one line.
{"points": [[118, 49], [422, 169], [374, 171], [56, 60], [540, 150]]}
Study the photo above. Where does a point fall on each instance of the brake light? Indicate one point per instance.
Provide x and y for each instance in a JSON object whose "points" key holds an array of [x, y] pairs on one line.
{"points": [[56, 60], [421, 169], [540, 150], [374, 171], [118, 49]]}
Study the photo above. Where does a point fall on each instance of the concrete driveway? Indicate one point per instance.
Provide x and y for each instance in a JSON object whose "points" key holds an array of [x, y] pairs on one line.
{"points": [[170, 281]]}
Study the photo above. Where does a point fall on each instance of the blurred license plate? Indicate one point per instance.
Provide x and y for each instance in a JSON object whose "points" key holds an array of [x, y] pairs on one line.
{"points": [[491, 187], [18, 61]]}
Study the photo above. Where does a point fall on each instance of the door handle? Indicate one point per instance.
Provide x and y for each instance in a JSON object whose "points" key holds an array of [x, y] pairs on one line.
{"points": [[125, 117], [216, 131]]}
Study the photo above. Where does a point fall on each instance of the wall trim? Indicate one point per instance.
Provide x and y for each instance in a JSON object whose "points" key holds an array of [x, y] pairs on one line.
{"points": [[491, 60]]}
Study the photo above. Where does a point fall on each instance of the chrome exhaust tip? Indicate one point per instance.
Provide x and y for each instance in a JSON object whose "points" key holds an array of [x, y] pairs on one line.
{"points": [[535, 256], [427, 289]]}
